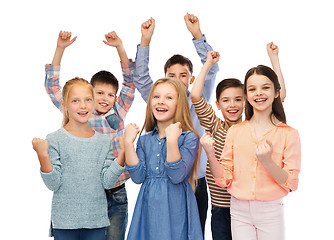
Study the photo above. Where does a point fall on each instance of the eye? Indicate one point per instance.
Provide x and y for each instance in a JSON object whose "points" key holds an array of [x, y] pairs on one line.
{"points": [[74, 100], [251, 89], [99, 92], [89, 99], [111, 95]]}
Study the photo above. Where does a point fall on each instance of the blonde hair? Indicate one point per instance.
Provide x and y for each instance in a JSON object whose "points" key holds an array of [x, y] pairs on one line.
{"points": [[182, 115], [66, 91]]}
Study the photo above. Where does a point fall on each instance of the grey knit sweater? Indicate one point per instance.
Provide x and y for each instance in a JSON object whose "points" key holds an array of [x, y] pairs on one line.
{"points": [[82, 169]]}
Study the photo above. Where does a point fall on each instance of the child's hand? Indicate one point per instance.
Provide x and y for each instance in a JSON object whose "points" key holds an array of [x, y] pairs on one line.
{"points": [[264, 152], [173, 131], [112, 39], [41, 146], [64, 39], [208, 143], [192, 24], [131, 132], [147, 30], [212, 58], [272, 49]]}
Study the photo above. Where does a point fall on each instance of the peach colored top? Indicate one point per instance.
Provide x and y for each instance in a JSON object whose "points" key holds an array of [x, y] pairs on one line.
{"points": [[245, 177]]}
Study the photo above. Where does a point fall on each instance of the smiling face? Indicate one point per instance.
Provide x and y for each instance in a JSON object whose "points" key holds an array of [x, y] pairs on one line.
{"points": [[231, 103], [180, 72], [163, 103], [79, 105], [105, 97], [261, 93]]}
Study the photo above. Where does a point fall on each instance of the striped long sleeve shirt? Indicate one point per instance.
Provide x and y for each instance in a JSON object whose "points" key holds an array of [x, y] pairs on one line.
{"points": [[218, 128]]}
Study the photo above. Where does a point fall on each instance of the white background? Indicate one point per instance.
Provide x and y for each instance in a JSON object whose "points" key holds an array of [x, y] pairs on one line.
{"points": [[239, 30]]}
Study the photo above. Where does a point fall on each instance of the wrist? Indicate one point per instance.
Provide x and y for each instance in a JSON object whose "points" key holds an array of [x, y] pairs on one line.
{"points": [[197, 35], [145, 42]]}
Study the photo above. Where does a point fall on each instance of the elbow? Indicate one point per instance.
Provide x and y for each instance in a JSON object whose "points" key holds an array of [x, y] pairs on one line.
{"points": [[194, 97]]}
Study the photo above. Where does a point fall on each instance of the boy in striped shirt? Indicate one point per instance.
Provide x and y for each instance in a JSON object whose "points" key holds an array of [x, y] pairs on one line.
{"points": [[230, 101], [108, 117]]}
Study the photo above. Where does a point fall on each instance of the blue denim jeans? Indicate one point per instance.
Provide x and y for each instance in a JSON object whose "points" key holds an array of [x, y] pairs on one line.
{"points": [[221, 223], [118, 214], [201, 195], [80, 234]]}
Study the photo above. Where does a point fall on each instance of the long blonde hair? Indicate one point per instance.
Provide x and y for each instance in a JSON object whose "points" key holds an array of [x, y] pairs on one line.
{"points": [[182, 115], [66, 91]]}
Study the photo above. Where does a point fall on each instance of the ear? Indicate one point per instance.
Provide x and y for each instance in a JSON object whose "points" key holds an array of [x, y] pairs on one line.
{"points": [[192, 79], [217, 105], [277, 94]]}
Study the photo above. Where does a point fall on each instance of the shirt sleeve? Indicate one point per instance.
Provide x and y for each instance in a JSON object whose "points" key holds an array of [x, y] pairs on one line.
{"points": [[111, 170], [226, 161], [52, 86], [142, 79], [53, 180], [292, 160], [205, 114], [138, 171], [202, 48], [127, 93], [180, 170]]}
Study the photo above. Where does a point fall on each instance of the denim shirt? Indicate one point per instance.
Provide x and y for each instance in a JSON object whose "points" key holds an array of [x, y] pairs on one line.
{"points": [[166, 206], [152, 154]]}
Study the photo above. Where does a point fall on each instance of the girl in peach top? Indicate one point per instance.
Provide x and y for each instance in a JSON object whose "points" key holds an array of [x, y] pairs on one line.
{"points": [[260, 162]]}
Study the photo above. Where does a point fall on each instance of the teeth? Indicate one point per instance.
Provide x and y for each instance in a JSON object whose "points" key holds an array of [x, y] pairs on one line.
{"points": [[233, 111], [161, 109], [103, 104], [260, 100]]}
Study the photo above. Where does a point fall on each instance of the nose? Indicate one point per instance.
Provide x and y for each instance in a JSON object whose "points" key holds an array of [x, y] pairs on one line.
{"points": [[258, 92], [83, 104]]}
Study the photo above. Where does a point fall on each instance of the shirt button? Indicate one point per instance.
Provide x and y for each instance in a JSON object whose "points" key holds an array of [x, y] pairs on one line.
{"points": [[158, 155], [254, 176], [159, 142], [253, 193], [156, 168]]}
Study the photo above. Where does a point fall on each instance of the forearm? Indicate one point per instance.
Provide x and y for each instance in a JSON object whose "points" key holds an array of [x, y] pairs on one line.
{"points": [[173, 152], [277, 68], [216, 168], [121, 158], [142, 79], [196, 92], [122, 54], [44, 160], [276, 172], [131, 157], [58, 56]]}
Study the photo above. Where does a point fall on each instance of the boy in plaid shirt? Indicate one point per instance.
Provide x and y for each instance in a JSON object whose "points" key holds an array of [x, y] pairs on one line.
{"points": [[108, 117]]}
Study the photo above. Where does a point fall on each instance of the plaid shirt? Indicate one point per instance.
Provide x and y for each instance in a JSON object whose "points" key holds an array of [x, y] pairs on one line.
{"points": [[96, 121]]}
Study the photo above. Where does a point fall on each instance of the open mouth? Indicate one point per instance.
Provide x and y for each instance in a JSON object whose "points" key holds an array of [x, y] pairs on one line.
{"points": [[260, 100], [104, 104], [82, 114], [233, 111], [161, 110]]}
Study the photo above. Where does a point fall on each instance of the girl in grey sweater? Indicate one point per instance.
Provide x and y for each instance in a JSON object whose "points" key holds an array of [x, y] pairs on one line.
{"points": [[77, 164]]}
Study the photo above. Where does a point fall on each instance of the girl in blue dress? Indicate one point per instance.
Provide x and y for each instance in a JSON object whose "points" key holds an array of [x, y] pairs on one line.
{"points": [[165, 162]]}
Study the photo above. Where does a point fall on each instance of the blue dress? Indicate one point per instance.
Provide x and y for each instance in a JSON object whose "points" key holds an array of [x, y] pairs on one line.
{"points": [[166, 207]]}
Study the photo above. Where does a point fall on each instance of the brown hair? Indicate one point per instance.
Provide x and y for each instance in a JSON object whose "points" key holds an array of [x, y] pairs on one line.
{"points": [[227, 83], [66, 91], [277, 106], [178, 59], [182, 115]]}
